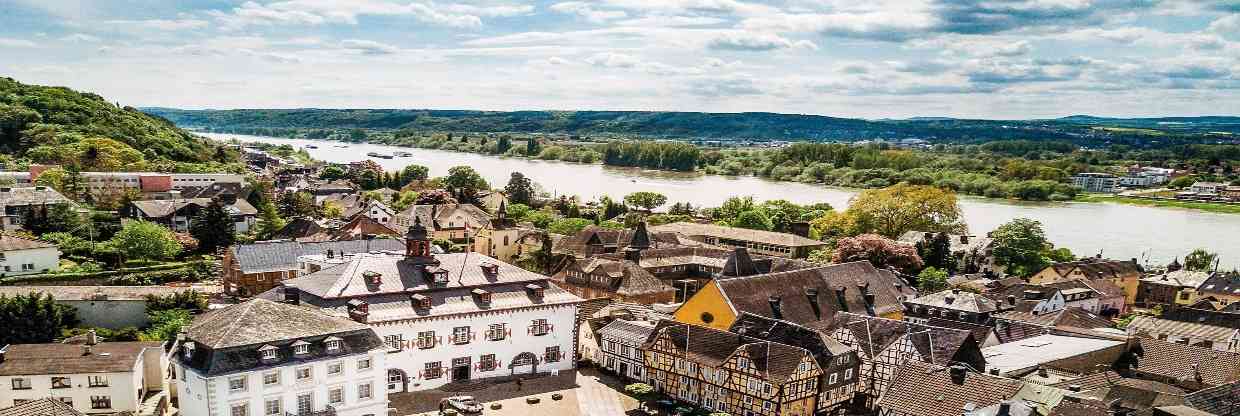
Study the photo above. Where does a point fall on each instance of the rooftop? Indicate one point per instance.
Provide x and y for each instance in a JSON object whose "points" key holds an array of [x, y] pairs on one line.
{"points": [[258, 321], [957, 299], [12, 243], [921, 389], [39, 359], [279, 255], [1025, 355], [41, 407], [735, 233]]}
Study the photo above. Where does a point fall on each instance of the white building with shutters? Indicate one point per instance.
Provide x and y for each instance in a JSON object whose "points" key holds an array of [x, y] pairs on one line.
{"points": [[446, 317]]}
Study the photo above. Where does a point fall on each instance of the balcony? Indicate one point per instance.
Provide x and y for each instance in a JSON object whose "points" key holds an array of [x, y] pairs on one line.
{"points": [[327, 411]]}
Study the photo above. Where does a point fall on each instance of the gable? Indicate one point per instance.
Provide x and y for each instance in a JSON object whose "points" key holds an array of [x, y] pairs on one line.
{"points": [[710, 304]]}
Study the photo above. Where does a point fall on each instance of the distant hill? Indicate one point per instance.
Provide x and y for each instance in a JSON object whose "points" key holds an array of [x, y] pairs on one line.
{"points": [[684, 125], [60, 125]]}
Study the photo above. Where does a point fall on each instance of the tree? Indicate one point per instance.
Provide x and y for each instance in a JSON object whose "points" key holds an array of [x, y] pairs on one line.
{"points": [[414, 173], [187, 300], [820, 257], [434, 197], [754, 219], [931, 280], [732, 208], [645, 200], [1021, 246], [517, 212], [1200, 260], [332, 209], [681, 208], [213, 227], [33, 319], [936, 252], [641, 391], [296, 204], [880, 251], [464, 183], [568, 226], [52, 218], [520, 189], [894, 210], [540, 219], [269, 221], [166, 324], [532, 147], [146, 240], [332, 172]]}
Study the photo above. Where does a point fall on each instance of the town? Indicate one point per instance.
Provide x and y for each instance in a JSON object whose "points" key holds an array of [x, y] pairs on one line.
{"points": [[318, 289]]}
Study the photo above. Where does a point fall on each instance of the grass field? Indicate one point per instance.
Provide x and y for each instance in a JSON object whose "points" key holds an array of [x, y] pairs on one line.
{"points": [[1201, 206]]}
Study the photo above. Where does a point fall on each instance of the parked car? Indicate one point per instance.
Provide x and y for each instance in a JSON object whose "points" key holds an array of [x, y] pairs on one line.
{"points": [[463, 404]]}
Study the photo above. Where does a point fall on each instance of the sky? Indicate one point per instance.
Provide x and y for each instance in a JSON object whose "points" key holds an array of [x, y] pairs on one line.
{"points": [[1011, 59]]}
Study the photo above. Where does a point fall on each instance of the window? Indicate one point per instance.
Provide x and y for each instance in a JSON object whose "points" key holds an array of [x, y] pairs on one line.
{"points": [[240, 409], [432, 370], [363, 364], [834, 378], [236, 384], [539, 327], [66, 400], [460, 335], [303, 374], [335, 369], [426, 339], [487, 362], [271, 378], [364, 391], [100, 402], [335, 395], [21, 384], [61, 383], [553, 354], [742, 363], [848, 374], [707, 317], [496, 332], [333, 345], [272, 407], [269, 352], [301, 348], [395, 342]]}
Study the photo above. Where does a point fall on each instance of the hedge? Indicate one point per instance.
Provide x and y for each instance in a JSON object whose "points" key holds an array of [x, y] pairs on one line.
{"points": [[111, 275]]}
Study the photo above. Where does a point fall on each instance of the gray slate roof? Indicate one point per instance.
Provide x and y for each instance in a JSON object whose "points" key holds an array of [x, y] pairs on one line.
{"points": [[399, 276], [11, 243], [40, 359], [634, 331], [42, 407], [734, 233], [31, 195], [160, 208], [277, 255]]}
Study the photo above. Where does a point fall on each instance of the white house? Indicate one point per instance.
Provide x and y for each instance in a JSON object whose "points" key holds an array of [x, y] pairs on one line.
{"points": [[263, 358], [24, 256], [1206, 187], [621, 348], [446, 317], [93, 378], [1096, 182]]}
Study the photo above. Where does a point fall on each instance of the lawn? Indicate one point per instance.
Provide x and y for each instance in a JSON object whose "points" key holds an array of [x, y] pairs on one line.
{"points": [[1201, 206]]}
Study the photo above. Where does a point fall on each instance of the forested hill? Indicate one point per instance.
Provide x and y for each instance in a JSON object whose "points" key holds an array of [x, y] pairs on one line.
{"points": [[769, 126], [57, 125]]}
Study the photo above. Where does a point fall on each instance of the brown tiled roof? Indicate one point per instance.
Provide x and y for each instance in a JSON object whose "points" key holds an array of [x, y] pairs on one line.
{"points": [[41, 407], [1186, 365], [106, 357], [300, 227], [1098, 268], [736, 233], [1081, 408], [920, 389], [1012, 330], [753, 294], [11, 243], [160, 208], [1091, 381], [578, 244], [257, 321], [934, 344], [1154, 326], [361, 226], [1072, 317], [1221, 400], [714, 347], [823, 347], [980, 332]]}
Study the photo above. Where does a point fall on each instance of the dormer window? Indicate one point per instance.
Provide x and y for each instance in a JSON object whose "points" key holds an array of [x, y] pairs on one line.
{"points": [[489, 268], [268, 352], [301, 348], [420, 301], [483, 296], [534, 290], [189, 349], [438, 275], [333, 344]]}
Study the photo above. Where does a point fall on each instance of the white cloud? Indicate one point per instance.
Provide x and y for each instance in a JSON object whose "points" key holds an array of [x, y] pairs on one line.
{"points": [[369, 47], [161, 24], [756, 41], [318, 12], [16, 43], [588, 12], [80, 38]]}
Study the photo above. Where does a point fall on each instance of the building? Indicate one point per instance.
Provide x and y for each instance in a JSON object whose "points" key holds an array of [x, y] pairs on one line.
{"points": [[454, 317], [452, 222], [93, 378], [15, 202], [593, 241], [113, 307], [765, 243], [1012, 326], [105, 183], [178, 214], [40, 407], [749, 373], [1177, 287], [250, 269], [1018, 359], [622, 348], [1220, 338], [503, 239], [20, 256], [810, 297], [375, 210], [265, 358], [952, 304], [1211, 188], [1124, 274], [924, 389], [1224, 288], [589, 341], [1186, 366], [1096, 182], [973, 254]]}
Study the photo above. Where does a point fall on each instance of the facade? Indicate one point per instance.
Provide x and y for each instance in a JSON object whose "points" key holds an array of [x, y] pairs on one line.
{"points": [[810, 297], [250, 269], [1177, 287], [1124, 274], [1096, 182], [1212, 188], [502, 239], [103, 182], [111, 307], [765, 243], [265, 358], [446, 317], [452, 222], [20, 256], [178, 214], [94, 378], [953, 304], [622, 348], [375, 210], [15, 202]]}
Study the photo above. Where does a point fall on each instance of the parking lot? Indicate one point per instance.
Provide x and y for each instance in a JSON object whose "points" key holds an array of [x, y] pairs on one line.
{"points": [[585, 392]]}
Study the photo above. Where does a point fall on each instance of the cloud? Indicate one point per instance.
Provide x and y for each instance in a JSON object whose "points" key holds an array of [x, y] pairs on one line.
{"points": [[724, 87], [17, 43], [318, 12], [161, 24], [588, 12], [80, 38], [369, 47], [755, 41], [613, 60]]}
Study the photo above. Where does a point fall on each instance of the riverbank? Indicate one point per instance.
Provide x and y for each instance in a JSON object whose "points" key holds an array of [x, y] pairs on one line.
{"points": [[1217, 208]]}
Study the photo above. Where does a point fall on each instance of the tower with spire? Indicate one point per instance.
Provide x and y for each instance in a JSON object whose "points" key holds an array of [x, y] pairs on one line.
{"points": [[418, 244]]}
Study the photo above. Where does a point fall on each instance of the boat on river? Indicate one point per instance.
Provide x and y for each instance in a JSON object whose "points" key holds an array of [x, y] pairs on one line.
{"points": [[401, 153], [379, 155]]}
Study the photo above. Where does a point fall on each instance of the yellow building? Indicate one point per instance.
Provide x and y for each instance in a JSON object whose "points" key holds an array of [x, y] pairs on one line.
{"points": [[801, 296], [1124, 274]]}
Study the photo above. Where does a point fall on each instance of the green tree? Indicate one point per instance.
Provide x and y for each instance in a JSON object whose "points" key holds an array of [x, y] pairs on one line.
{"points": [[52, 218], [517, 212], [931, 280], [532, 147], [213, 227], [1200, 260], [504, 143], [166, 324], [414, 173], [145, 240], [187, 300], [754, 219], [465, 183], [33, 319], [296, 204], [269, 221], [1021, 246], [540, 219], [645, 200], [14, 119], [821, 257], [332, 172], [568, 226], [732, 208], [520, 189], [894, 210], [936, 252]]}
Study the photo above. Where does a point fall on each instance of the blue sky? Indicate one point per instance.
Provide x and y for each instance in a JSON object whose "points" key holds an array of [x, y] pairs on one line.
{"points": [[849, 58]]}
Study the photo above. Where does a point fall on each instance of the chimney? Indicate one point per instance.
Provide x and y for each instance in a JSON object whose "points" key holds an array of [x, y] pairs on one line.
{"points": [[955, 291], [812, 295], [1033, 294], [359, 310], [775, 311], [292, 295], [958, 373], [331, 253], [86, 349], [1011, 300], [92, 338], [994, 371], [869, 299], [964, 239]]}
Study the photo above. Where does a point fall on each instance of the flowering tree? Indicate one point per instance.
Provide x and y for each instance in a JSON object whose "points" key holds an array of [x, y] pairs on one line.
{"points": [[880, 251]]}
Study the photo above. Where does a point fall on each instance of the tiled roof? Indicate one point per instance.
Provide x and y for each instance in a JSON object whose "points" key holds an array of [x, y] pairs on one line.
{"points": [[1098, 268], [41, 407], [920, 389], [106, 357], [957, 299], [1220, 400], [64, 293], [31, 195], [823, 347], [1181, 278], [464, 270], [1155, 326], [980, 332], [11, 243], [1136, 394], [1227, 284], [1085, 408], [636, 331], [934, 344], [1186, 364], [578, 244], [159, 208], [395, 306], [1071, 317], [258, 321], [714, 347], [736, 233], [299, 227], [280, 255], [1092, 381], [442, 212], [840, 288]]}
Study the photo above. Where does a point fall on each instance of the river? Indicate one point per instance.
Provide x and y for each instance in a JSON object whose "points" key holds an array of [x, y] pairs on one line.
{"points": [[1116, 230]]}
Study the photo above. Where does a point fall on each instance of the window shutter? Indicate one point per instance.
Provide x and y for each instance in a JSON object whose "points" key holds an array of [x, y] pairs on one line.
{"points": [[550, 328], [529, 330], [507, 332], [473, 335]]}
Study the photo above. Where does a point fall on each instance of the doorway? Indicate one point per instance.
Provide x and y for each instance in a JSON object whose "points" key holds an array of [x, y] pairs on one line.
{"points": [[460, 369]]}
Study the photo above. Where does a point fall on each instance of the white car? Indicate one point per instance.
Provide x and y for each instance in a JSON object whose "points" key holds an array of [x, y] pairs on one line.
{"points": [[463, 404]]}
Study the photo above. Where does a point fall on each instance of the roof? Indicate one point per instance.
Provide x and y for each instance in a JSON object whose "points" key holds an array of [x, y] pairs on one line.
{"points": [[442, 212], [980, 332], [1070, 317], [713, 347], [1197, 331], [592, 235], [957, 299], [280, 255], [398, 276], [258, 321], [1185, 364], [920, 389], [1181, 278], [12, 243], [1093, 268], [41, 407], [936, 345], [40, 359], [736, 233], [1221, 283], [64, 293], [636, 331], [823, 347], [840, 288], [1092, 381], [299, 227], [31, 195], [1219, 400], [159, 208], [1015, 358]]}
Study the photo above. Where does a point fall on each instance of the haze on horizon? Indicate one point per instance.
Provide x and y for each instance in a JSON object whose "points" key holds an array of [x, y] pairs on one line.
{"points": [[997, 59]]}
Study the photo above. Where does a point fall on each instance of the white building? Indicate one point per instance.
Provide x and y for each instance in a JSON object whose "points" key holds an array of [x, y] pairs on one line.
{"points": [[1206, 187], [1096, 182], [446, 317], [94, 378], [23, 256], [621, 348], [262, 358]]}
